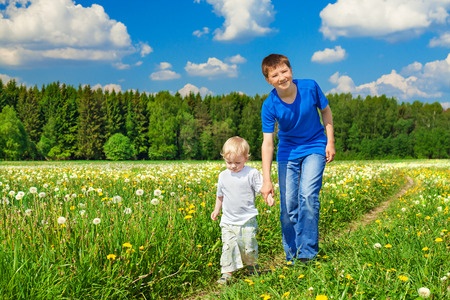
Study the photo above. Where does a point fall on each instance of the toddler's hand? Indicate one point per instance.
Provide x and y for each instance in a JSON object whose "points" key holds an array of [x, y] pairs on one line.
{"points": [[270, 201]]}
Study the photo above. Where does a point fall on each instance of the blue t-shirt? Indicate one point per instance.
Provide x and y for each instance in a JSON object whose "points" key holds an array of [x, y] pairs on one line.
{"points": [[300, 131]]}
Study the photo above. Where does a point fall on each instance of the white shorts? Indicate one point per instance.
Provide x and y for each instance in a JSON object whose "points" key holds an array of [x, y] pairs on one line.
{"points": [[239, 246]]}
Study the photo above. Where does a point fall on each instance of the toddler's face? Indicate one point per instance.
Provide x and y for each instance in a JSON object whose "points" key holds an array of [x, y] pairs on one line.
{"points": [[235, 163]]}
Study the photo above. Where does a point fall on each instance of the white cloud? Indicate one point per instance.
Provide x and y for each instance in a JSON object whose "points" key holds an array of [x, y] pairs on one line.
{"points": [[5, 78], [389, 19], [212, 68], [199, 33], [237, 59], [108, 87], [145, 49], [416, 81], [164, 72], [442, 41], [243, 19], [39, 30], [189, 88], [329, 55]]}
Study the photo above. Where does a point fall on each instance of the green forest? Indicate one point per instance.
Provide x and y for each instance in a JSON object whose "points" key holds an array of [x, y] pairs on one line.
{"points": [[62, 122]]}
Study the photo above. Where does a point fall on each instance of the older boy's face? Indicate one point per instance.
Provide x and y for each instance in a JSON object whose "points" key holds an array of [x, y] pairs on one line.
{"points": [[280, 77], [235, 163]]}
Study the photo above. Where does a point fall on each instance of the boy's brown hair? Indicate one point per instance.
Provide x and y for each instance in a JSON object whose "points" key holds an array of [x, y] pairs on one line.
{"points": [[272, 61], [235, 146]]}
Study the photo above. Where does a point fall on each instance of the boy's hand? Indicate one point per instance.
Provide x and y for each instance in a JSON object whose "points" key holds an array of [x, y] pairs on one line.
{"points": [[214, 215], [269, 200]]}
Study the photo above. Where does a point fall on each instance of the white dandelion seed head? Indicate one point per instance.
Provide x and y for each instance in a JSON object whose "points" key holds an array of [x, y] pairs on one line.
{"points": [[42, 195], [154, 201], [444, 278], [5, 201], [33, 190], [45, 185], [61, 220], [139, 192], [310, 289], [439, 208], [172, 194], [81, 205], [96, 221], [82, 212], [74, 195], [377, 246], [56, 189], [157, 192], [11, 193], [28, 212], [127, 180], [403, 209], [117, 199], [424, 292], [127, 211]]}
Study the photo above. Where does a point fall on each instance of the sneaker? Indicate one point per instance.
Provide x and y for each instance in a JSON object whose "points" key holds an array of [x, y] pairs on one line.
{"points": [[224, 279], [253, 270]]}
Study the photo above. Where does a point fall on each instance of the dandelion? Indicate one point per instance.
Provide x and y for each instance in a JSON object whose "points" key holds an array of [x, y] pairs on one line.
{"points": [[157, 192], [154, 201], [438, 240], [388, 246], [199, 246], [111, 256], [141, 248], [127, 245], [439, 208], [403, 209], [265, 296], [20, 195], [61, 220], [82, 212], [117, 199], [42, 195], [28, 212], [403, 278], [377, 245], [96, 221], [281, 276], [33, 190], [139, 192], [127, 211], [188, 217], [321, 297], [425, 249], [286, 295], [424, 292], [81, 205], [301, 276], [249, 281]]}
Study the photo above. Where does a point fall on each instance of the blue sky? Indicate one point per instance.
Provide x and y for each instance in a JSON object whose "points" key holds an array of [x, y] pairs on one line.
{"points": [[400, 48]]}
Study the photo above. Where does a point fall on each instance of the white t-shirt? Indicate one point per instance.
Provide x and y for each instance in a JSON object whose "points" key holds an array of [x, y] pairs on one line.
{"points": [[239, 191]]}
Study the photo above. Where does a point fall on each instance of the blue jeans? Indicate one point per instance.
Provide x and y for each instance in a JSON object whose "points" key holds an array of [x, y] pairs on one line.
{"points": [[300, 182]]}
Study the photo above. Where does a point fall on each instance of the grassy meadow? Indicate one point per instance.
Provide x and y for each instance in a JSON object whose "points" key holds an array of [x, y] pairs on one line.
{"points": [[142, 230]]}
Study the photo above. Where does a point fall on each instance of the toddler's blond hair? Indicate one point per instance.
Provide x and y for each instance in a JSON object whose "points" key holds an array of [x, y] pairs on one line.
{"points": [[235, 146]]}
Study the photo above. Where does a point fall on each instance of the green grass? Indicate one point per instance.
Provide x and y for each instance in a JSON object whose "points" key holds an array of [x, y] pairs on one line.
{"points": [[163, 245]]}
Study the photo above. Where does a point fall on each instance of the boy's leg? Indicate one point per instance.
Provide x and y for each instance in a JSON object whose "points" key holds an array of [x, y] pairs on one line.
{"points": [[249, 244], [289, 179], [230, 260], [308, 226]]}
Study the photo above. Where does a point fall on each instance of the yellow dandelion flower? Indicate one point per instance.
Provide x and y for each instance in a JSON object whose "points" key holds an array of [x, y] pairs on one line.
{"points": [[249, 281], [301, 276], [388, 246], [127, 245], [265, 296], [281, 276], [419, 233], [188, 217], [321, 297], [286, 295], [349, 277], [141, 248], [378, 221], [199, 246], [111, 256], [403, 278], [427, 217], [72, 207], [425, 249], [438, 240], [210, 264]]}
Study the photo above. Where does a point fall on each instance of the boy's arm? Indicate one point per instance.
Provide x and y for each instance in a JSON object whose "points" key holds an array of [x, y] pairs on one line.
{"points": [[217, 208], [267, 149]]}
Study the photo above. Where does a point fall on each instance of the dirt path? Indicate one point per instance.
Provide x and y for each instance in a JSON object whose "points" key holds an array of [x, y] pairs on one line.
{"points": [[373, 214]]}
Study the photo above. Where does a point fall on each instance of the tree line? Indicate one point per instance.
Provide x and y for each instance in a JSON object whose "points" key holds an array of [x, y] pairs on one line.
{"points": [[62, 122]]}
